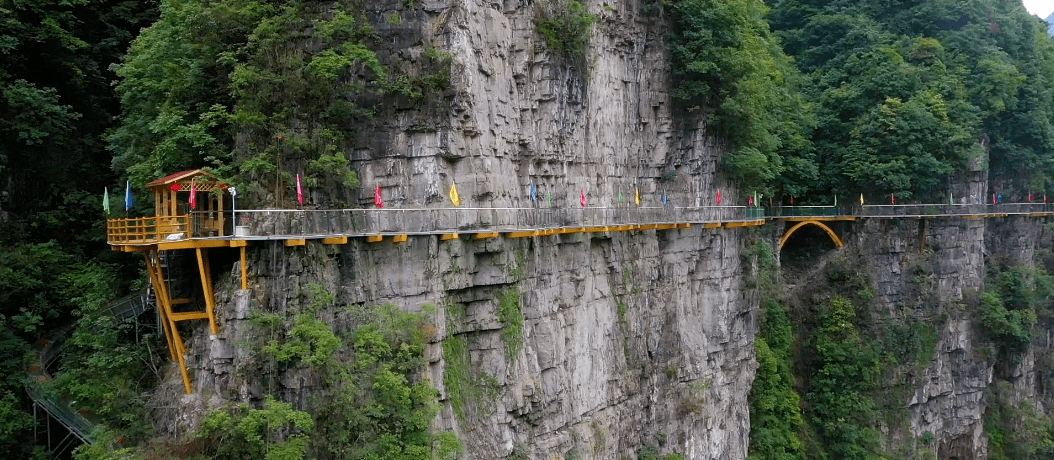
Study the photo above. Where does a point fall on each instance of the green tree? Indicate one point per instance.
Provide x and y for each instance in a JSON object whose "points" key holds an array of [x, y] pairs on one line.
{"points": [[729, 65]]}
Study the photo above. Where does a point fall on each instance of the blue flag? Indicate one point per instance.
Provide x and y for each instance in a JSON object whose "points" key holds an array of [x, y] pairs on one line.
{"points": [[664, 199], [534, 194], [128, 203]]}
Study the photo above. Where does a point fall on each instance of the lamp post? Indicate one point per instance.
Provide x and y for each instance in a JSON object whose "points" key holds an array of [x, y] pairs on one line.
{"points": [[234, 209]]}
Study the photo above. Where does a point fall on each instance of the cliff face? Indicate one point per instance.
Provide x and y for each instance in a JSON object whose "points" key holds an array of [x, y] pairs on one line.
{"points": [[630, 339]]}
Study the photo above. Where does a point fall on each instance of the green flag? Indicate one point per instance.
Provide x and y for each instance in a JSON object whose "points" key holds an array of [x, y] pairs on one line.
{"points": [[620, 197], [106, 200], [550, 196]]}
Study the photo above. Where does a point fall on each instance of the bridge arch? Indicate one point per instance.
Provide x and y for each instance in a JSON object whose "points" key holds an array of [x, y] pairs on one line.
{"points": [[834, 236]]}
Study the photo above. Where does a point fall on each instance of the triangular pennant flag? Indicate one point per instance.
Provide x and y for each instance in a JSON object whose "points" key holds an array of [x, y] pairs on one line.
{"points": [[637, 198], [128, 202], [454, 197], [583, 199], [194, 192], [299, 191], [377, 200], [106, 200]]}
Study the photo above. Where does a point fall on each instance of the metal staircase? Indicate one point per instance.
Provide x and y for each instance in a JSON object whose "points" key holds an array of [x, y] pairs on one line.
{"points": [[60, 408]]}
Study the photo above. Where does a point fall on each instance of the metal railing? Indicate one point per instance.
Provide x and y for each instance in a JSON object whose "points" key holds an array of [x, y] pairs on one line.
{"points": [[301, 222], [59, 407], [286, 223]]}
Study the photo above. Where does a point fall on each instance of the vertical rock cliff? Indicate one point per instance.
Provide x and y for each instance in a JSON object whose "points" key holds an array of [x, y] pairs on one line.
{"points": [[630, 341]]}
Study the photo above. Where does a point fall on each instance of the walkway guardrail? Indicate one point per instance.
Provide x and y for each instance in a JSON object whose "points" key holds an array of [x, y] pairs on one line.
{"points": [[293, 222]]}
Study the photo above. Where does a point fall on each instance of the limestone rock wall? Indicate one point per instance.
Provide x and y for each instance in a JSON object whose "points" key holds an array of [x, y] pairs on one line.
{"points": [[631, 339]]}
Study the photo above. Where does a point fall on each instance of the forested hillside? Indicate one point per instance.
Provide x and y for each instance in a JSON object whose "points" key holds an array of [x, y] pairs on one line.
{"points": [[817, 100], [56, 104]]}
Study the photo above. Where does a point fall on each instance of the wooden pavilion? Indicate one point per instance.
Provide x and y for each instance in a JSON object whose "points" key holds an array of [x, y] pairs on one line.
{"points": [[188, 215]]}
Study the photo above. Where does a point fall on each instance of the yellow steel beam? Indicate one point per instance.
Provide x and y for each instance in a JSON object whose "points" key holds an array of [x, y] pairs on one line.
{"points": [[751, 223], [335, 240], [206, 289], [189, 315], [665, 226], [648, 227], [374, 238], [596, 229], [192, 244], [399, 238], [448, 236], [834, 236], [295, 242], [160, 308], [245, 269], [684, 225], [483, 236], [239, 243], [712, 225], [522, 234]]}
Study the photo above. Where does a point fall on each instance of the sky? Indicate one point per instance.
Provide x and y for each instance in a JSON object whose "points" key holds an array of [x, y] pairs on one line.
{"points": [[1041, 8]]}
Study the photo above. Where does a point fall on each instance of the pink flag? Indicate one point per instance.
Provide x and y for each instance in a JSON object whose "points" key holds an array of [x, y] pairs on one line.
{"points": [[892, 198], [583, 200], [993, 198], [1029, 196], [193, 195], [718, 197], [377, 197], [299, 191]]}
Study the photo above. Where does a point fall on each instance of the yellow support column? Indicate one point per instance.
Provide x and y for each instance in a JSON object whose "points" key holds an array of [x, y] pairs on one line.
{"points": [[206, 289], [160, 308], [161, 291], [245, 270]]}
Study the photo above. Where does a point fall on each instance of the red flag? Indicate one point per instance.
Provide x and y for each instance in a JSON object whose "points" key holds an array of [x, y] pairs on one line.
{"points": [[993, 198], [792, 201], [750, 201], [193, 195], [583, 200], [892, 198], [377, 197], [1030, 196], [718, 197], [299, 191]]}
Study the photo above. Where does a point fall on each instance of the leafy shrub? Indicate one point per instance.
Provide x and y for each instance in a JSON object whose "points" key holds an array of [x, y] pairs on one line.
{"points": [[565, 25]]}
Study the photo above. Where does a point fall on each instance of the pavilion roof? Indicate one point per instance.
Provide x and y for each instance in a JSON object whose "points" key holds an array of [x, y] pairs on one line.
{"points": [[177, 177]]}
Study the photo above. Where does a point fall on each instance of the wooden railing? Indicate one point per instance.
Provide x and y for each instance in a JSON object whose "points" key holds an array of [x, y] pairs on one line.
{"points": [[146, 229]]}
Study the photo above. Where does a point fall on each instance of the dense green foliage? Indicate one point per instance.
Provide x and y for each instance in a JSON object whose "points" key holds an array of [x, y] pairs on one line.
{"points": [[55, 103], [729, 65], [911, 94], [775, 412], [259, 91], [1016, 430], [566, 26]]}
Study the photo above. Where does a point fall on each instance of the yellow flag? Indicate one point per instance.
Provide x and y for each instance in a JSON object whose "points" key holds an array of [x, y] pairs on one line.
{"points": [[636, 199], [861, 199], [454, 197]]}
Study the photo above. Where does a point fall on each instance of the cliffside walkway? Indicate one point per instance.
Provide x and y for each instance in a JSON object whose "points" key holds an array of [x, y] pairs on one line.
{"points": [[200, 231]]}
